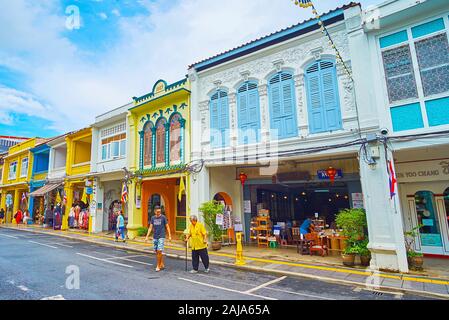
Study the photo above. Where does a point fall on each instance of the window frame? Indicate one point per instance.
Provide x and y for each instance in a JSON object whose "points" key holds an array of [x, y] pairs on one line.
{"points": [[411, 42], [24, 174], [107, 148], [10, 177]]}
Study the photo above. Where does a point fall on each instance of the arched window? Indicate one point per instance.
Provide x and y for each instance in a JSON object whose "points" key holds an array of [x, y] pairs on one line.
{"points": [[322, 95], [219, 119], [175, 137], [248, 113], [160, 141], [148, 144], [282, 105]]}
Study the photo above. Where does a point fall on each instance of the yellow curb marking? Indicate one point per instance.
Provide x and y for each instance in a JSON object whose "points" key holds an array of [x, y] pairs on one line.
{"points": [[363, 273]]}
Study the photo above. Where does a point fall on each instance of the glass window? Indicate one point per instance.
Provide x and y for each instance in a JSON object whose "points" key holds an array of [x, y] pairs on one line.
{"points": [[12, 170], [115, 149], [122, 148], [433, 59], [104, 150], [160, 141], [428, 219], [401, 83], [24, 169], [175, 138], [148, 144]]}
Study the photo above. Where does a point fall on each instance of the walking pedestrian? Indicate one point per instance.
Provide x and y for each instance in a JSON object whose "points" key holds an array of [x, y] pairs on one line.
{"points": [[120, 227], [2, 215], [18, 216], [198, 242], [159, 224]]}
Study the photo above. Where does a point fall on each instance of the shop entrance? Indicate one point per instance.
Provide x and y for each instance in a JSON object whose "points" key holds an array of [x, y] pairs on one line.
{"points": [[293, 203], [428, 206]]}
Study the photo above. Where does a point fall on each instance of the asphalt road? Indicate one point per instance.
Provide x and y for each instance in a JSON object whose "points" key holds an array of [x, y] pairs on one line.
{"points": [[37, 266]]}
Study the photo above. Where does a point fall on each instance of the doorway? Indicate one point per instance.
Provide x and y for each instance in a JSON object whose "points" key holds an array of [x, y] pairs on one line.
{"points": [[428, 207]]}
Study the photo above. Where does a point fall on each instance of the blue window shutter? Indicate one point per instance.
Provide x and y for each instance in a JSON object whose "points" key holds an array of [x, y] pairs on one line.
{"points": [[289, 112], [276, 107], [331, 99], [214, 122], [224, 119], [248, 113], [323, 99]]}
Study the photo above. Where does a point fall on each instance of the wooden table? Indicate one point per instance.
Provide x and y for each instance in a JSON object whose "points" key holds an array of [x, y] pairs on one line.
{"points": [[336, 244]]}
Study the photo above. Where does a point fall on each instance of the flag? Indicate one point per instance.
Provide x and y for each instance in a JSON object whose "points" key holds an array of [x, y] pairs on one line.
{"points": [[392, 179], [84, 197], [24, 197], [124, 193], [305, 3], [182, 188], [58, 197]]}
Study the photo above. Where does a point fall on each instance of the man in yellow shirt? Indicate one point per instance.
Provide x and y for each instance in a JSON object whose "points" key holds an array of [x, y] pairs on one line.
{"points": [[198, 242]]}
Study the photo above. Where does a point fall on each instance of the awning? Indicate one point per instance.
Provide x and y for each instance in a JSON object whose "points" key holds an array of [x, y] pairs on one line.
{"points": [[45, 189]]}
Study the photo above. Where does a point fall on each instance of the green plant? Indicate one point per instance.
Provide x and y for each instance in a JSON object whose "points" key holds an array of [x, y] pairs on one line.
{"points": [[210, 209], [142, 231], [354, 224], [410, 238]]}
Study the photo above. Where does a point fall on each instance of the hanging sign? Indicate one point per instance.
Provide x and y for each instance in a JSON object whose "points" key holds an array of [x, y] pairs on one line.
{"points": [[219, 219], [322, 174], [9, 200], [247, 206]]}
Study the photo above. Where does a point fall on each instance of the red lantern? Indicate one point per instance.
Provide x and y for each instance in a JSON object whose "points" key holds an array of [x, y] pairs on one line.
{"points": [[331, 173], [243, 177]]}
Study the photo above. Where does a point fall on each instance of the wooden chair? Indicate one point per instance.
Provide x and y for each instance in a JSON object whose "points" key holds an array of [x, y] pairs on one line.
{"points": [[296, 237], [317, 244]]}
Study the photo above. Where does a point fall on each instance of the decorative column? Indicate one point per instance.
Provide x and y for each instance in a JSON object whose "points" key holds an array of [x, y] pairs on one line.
{"points": [[167, 144], [3, 201], [16, 205], [153, 147], [65, 218], [386, 237], [301, 108], [233, 134], [134, 213], [141, 149], [265, 113], [182, 123]]}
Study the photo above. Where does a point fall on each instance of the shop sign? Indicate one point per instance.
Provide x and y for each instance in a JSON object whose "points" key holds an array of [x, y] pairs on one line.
{"points": [[247, 206], [219, 219], [293, 176], [431, 240], [9, 200], [423, 171], [322, 174], [89, 190]]}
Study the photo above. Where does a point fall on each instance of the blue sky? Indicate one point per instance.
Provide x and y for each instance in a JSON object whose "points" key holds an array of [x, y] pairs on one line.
{"points": [[54, 78]]}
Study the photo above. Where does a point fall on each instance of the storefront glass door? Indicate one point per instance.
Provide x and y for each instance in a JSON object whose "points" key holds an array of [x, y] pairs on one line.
{"points": [[427, 214]]}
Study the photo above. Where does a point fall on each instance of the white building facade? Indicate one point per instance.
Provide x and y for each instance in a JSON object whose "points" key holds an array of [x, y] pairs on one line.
{"points": [[403, 46], [278, 113], [109, 157]]}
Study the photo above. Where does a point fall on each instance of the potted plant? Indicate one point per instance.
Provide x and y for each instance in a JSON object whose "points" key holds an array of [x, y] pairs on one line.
{"points": [[365, 254], [210, 209], [353, 222], [415, 259]]}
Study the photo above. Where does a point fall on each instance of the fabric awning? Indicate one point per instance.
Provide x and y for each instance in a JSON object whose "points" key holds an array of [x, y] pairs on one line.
{"points": [[45, 189]]}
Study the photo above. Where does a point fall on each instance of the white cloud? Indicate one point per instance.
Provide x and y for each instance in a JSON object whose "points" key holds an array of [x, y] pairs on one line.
{"points": [[159, 45], [103, 15], [116, 12]]}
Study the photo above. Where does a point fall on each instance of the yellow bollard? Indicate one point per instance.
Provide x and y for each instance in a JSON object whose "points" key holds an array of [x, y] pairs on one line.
{"points": [[239, 261]]}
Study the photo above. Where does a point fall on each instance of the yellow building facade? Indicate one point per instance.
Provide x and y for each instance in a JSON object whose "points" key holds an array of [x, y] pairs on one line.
{"points": [[78, 180], [159, 149], [17, 169]]}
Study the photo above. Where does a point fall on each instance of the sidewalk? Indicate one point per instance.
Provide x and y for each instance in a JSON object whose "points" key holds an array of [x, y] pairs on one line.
{"points": [[278, 262]]}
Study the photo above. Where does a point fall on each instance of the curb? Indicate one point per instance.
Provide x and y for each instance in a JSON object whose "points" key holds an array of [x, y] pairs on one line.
{"points": [[256, 269]]}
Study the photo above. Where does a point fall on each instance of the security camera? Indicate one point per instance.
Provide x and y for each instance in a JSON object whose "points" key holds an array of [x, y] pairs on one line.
{"points": [[384, 131]]}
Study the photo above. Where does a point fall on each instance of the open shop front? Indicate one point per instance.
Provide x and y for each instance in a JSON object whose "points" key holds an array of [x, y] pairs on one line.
{"points": [[79, 202], [48, 205], [300, 202]]}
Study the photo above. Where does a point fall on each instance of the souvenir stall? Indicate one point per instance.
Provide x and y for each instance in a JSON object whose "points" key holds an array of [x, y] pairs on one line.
{"points": [[114, 208], [79, 212]]}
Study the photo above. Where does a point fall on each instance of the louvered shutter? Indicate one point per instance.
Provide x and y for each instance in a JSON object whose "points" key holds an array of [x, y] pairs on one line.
{"points": [[253, 113], [248, 113], [276, 107], [316, 109], [214, 119], [224, 119], [330, 96], [289, 114]]}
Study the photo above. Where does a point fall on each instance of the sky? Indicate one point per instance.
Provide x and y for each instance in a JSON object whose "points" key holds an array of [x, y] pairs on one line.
{"points": [[62, 62]]}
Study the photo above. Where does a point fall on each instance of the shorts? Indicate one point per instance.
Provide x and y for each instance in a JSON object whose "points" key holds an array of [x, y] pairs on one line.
{"points": [[159, 244]]}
